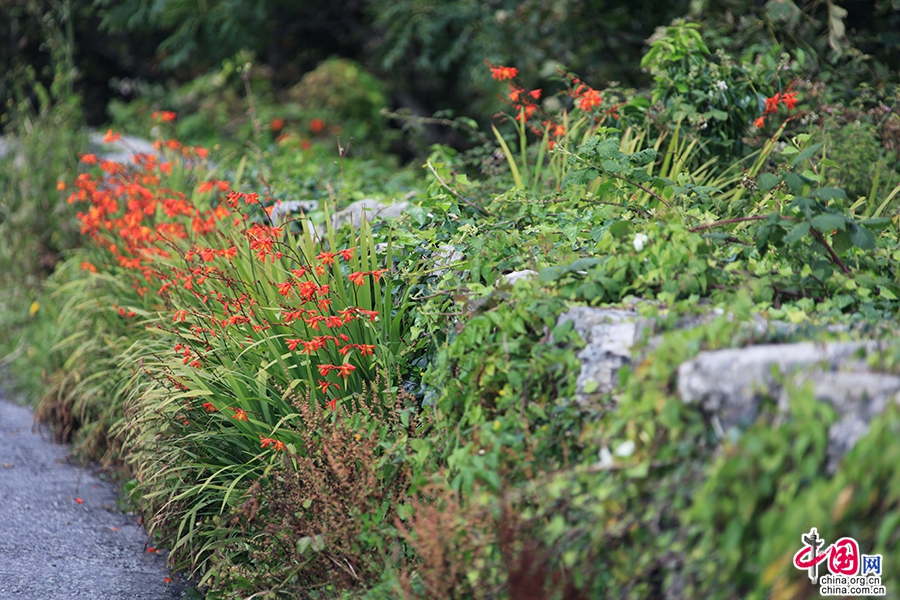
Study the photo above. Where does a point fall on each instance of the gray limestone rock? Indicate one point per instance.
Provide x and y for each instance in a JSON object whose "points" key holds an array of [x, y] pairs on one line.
{"points": [[121, 151], [284, 210], [369, 209], [730, 383], [512, 278], [609, 334], [857, 397]]}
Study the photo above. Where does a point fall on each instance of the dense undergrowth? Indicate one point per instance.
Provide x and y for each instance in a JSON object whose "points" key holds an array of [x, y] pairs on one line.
{"points": [[373, 411]]}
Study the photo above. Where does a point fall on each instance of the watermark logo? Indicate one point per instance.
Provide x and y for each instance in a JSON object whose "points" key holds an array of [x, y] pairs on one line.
{"points": [[850, 573]]}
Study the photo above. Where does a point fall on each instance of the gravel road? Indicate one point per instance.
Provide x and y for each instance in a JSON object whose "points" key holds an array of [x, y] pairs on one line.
{"points": [[61, 535]]}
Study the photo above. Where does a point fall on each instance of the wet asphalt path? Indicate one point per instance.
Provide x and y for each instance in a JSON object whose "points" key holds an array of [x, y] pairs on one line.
{"points": [[54, 548]]}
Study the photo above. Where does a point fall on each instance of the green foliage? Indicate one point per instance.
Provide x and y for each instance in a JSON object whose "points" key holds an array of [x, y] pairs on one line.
{"points": [[220, 28], [862, 167], [37, 226], [343, 90], [844, 45], [457, 459], [719, 96]]}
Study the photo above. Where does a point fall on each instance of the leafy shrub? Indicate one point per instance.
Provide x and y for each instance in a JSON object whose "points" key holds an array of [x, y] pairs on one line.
{"points": [[340, 90], [42, 119], [862, 167]]}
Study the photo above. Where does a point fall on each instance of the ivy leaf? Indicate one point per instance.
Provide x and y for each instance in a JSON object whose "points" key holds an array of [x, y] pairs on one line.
{"points": [[767, 181], [862, 238], [828, 222], [797, 233]]}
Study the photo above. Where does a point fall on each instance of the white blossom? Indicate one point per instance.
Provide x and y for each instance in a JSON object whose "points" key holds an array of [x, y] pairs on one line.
{"points": [[639, 241], [624, 449]]}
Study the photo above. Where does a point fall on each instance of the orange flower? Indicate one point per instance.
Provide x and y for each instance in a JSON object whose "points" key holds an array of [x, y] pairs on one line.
{"points": [[276, 124], [208, 407], [111, 137], [357, 278], [286, 289], [89, 159], [316, 126], [324, 385], [772, 103], [316, 344], [265, 441], [525, 112], [206, 186], [345, 369], [589, 100], [305, 144], [180, 315], [307, 289], [346, 253], [279, 445], [365, 349], [327, 258], [239, 414], [790, 100], [372, 314], [165, 116], [86, 266], [760, 122], [503, 73], [60, 185]]}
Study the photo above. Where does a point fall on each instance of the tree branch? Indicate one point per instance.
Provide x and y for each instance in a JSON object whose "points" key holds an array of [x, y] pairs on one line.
{"points": [[639, 186], [834, 257], [465, 201]]}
